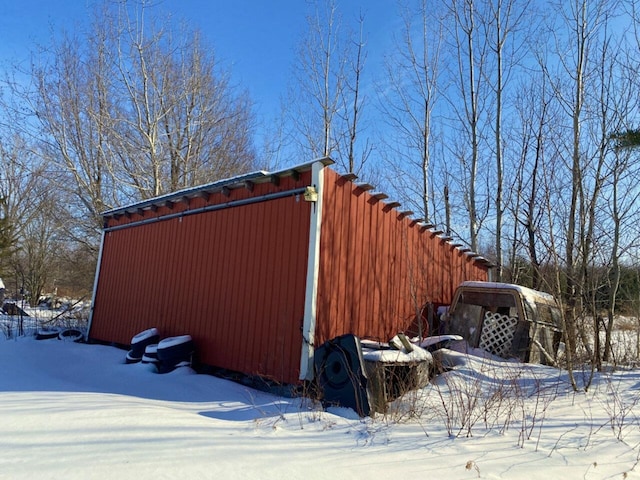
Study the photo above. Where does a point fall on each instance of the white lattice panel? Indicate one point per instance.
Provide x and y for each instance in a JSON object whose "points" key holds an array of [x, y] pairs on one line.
{"points": [[497, 333]]}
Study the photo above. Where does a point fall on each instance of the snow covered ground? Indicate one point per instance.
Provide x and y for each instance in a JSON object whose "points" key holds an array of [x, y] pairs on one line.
{"points": [[77, 411]]}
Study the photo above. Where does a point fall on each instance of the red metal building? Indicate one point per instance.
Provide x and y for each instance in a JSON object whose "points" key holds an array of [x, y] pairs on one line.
{"points": [[261, 268]]}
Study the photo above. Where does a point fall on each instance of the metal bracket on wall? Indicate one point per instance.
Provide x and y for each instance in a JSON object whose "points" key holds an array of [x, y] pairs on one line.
{"points": [[311, 194]]}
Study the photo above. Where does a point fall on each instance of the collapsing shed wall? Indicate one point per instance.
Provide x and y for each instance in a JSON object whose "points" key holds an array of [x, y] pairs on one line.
{"points": [[232, 278], [378, 266]]}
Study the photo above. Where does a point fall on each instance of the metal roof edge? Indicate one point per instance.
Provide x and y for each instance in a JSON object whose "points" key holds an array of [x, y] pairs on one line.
{"points": [[257, 176]]}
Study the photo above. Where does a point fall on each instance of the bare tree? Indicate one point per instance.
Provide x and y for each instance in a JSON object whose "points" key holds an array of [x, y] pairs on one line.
{"points": [[320, 77], [40, 241], [408, 101], [612, 100], [326, 102], [528, 194], [132, 110], [620, 200], [503, 17], [580, 22], [30, 206], [7, 237], [470, 53], [21, 179], [182, 123], [621, 195], [70, 123], [352, 107]]}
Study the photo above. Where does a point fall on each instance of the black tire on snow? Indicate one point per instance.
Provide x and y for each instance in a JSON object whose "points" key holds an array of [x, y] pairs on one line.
{"points": [[174, 350], [150, 354], [131, 357], [71, 334], [45, 334], [140, 341]]}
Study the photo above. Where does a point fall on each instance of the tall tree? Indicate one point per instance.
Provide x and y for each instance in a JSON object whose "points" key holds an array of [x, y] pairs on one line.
{"points": [[408, 102], [41, 240], [470, 53], [528, 193], [503, 17], [580, 27], [21, 182], [353, 102], [326, 102], [133, 109], [181, 118], [622, 194], [320, 80]]}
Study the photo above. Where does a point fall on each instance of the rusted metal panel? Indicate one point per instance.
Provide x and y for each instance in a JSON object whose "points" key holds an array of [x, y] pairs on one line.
{"points": [[377, 269], [233, 279]]}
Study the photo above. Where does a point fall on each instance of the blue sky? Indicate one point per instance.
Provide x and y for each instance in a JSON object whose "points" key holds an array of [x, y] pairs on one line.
{"points": [[256, 39]]}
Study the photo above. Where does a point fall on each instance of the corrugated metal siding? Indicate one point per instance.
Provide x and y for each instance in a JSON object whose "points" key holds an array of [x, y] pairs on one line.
{"points": [[233, 279], [376, 269]]}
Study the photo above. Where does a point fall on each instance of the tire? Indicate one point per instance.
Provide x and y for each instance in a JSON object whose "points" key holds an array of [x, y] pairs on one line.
{"points": [[46, 334], [140, 341], [150, 354], [71, 335], [340, 373], [173, 351], [131, 357], [144, 336]]}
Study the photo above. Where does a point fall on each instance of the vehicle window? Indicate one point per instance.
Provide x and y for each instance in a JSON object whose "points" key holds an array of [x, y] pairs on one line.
{"points": [[549, 315], [529, 309], [489, 299], [469, 312]]}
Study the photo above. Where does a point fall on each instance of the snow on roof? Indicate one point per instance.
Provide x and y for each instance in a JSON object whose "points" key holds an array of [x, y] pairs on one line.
{"points": [[256, 177], [526, 292]]}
